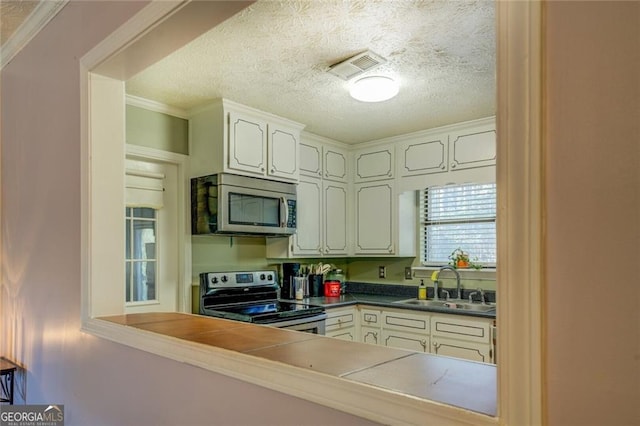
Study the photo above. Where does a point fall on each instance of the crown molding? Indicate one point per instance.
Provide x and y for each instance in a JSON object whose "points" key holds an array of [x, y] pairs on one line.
{"points": [[156, 106], [31, 26]]}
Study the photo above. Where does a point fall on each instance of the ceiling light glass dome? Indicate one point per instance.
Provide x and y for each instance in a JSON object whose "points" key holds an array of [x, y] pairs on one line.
{"points": [[374, 89]]}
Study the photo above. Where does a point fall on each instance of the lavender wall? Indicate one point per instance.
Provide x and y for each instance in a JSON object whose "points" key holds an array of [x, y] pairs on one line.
{"points": [[100, 383]]}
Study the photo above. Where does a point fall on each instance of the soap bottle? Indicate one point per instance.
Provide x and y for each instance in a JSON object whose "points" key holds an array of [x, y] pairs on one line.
{"points": [[422, 291]]}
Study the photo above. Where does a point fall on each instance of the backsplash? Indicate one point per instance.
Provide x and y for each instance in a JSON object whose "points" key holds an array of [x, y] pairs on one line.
{"points": [[216, 253]]}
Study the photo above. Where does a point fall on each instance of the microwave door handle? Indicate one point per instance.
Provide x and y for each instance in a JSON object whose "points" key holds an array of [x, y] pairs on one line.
{"points": [[284, 212]]}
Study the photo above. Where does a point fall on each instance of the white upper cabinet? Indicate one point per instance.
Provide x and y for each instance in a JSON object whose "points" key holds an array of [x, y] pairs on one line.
{"points": [[335, 164], [464, 152], [323, 203], [424, 155], [232, 138], [322, 158], [374, 163], [282, 152], [247, 144], [473, 147], [310, 158]]}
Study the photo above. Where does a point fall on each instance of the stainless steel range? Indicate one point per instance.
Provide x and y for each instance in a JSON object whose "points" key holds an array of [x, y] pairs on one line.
{"points": [[252, 296]]}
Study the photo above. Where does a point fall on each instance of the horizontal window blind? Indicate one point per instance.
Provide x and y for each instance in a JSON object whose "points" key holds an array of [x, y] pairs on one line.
{"points": [[458, 216], [144, 188]]}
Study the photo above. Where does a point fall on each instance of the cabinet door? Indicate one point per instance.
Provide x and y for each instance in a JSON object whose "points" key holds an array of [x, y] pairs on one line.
{"points": [[335, 218], [308, 237], [472, 148], [370, 335], [461, 349], [374, 231], [335, 164], [424, 156], [348, 334], [247, 143], [310, 159], [282, 156], [374, 164], [402, 340]]}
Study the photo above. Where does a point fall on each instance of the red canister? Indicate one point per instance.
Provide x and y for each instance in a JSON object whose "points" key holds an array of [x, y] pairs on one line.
{"points": [[332, 288]]}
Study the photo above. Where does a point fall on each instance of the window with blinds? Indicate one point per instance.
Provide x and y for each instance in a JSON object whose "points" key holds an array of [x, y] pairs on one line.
{"points": [[458, 216]]}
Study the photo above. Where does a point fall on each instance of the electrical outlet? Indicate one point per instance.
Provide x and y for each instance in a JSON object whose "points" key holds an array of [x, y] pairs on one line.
{"points": [[382, 272], [407, 273]]}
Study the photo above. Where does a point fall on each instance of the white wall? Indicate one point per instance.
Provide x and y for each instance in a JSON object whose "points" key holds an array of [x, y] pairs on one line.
{"points": [[592, 311], [99, 382]]}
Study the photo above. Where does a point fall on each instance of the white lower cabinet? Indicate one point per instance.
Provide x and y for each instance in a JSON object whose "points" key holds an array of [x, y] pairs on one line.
{"points": [[370, 320], [441, 334], [461, 337], [405, 329], [341, 323]]}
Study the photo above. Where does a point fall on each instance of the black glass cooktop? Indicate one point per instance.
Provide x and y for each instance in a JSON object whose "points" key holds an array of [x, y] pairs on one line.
{"points": [[264, 312]]}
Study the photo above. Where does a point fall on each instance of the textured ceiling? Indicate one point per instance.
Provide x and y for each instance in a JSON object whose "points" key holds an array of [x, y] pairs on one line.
{"points": [[13, 13], [273, 56]]}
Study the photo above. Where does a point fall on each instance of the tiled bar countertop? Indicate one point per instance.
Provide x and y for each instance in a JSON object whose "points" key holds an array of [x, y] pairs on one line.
{"points": [[456, 382]]}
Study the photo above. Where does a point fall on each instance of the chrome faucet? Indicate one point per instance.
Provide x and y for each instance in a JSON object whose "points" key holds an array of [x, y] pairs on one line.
{"points": [[480, 292], [437, 275]]}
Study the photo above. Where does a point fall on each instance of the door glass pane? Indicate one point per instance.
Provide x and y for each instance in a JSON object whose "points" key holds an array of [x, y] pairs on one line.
{"points": [[144, 281], [141, 263]]}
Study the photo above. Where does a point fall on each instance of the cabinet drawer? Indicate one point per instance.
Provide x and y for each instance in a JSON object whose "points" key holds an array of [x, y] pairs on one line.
{"points": [[414, 323], [469, 330], [339, 320], [370, 317]]}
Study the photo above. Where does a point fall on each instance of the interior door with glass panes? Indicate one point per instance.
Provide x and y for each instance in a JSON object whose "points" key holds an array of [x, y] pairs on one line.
{"points": [[151, 242]]}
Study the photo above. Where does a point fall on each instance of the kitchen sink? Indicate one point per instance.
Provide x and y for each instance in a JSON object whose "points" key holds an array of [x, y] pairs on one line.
{"points": [[450, 304], [418, 302]]}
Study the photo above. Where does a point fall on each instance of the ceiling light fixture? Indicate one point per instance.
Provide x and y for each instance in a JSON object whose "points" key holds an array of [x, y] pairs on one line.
{"points": [[374, 89]]}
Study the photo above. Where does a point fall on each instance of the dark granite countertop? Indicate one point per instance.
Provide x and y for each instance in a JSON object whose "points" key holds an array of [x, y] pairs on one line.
{"points": [[387, 296]]}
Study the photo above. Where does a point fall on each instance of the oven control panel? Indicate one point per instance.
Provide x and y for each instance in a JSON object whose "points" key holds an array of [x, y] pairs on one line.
{"points": [[239, 279]]}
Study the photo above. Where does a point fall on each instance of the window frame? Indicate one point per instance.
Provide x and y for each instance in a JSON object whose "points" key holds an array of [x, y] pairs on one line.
{"points": [[424, 223]]}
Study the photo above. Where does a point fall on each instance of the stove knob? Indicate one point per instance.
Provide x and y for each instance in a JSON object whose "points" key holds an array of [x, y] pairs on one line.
{"points": [[270, 277], [214, 280], [224, 279], [262, 277]]}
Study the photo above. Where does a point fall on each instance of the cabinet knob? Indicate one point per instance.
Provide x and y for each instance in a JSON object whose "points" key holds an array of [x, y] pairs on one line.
{"points": [[272, 171], [320, 174], [262, 169], [443, 167], [453, 165]]}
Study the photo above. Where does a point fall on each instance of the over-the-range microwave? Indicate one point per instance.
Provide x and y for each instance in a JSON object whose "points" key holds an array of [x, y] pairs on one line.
{"points": [[232, 204]]}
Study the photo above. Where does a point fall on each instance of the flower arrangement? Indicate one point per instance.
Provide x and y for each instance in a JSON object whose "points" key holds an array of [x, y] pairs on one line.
{"points": [[459, 259]]}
